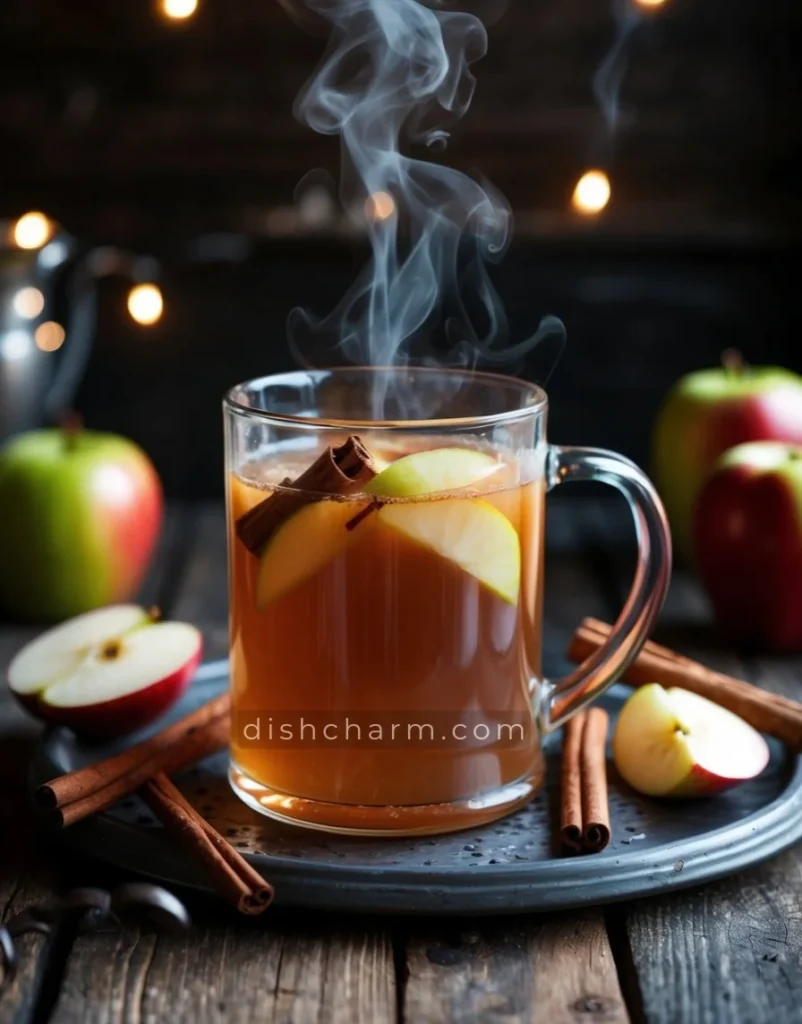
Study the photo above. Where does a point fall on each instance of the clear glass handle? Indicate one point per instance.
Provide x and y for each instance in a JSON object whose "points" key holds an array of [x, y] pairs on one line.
{"points": [[563, 698]]}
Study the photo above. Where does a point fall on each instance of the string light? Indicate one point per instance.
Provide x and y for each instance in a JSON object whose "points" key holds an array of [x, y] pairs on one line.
{"points": [[28, 303], [145, 304], [592, 193], [32, 230], [379, 206], [49, 336], [178, 10]]}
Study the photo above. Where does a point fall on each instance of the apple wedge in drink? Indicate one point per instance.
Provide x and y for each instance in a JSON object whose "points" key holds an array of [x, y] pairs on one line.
{"points": [[108, 672], [468, 531]]}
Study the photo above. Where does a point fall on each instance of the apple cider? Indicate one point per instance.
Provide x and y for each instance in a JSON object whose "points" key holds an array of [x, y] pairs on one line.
{"points": [[384, 645]]}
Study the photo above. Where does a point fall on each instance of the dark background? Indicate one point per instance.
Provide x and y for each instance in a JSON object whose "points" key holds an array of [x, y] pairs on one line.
{"points": [[134, 131]]}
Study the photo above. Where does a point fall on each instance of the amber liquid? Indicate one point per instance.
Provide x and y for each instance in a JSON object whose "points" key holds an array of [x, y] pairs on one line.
{"points": [[389, 627]]}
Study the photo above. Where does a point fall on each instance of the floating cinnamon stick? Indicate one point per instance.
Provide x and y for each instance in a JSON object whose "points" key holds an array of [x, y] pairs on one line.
{"points": [[89, 790], [337, 471], [232, 875], [767, 712], [585, 816]]}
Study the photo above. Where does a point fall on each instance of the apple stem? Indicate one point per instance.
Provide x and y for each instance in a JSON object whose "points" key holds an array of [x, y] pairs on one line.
{"points": [[71, 426], [733, 362]]}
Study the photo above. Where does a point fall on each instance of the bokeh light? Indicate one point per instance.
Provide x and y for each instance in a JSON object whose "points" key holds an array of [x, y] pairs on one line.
{"points": [[28, 303], [145, 304], [592, 193], [15, 345], [49, 336], [32, 230], [179, 9], [650, 3], [380, 206]]}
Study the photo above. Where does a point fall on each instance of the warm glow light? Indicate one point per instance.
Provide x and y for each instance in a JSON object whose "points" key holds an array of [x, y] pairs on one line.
{"points": [[49, 336], [592, 193], [32, 230], [380, 206], [145, 304], [28, 303], [179, 9], [649, 3]]}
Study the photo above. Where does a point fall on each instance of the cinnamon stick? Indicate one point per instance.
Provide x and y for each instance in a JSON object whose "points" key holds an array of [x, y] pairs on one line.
{"points": [[769, 713], [570, 778], [595, 807], [337, 471], [232, 875], [88, 790], [584, 811]]}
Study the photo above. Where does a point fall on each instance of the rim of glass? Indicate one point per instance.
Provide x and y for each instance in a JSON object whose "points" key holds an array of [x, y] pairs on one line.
{"points": [[537, 394]]}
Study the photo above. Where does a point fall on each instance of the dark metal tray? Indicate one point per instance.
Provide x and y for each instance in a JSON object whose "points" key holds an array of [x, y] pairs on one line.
{"points": [[506, 867]]}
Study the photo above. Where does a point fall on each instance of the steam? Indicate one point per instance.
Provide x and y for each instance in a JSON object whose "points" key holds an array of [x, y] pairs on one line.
{"points": [[393, 67], [609, 78]]}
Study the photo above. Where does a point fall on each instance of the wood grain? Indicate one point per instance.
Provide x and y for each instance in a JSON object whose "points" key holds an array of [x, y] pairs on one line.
{"points": [[549, 970], [230, 975]]}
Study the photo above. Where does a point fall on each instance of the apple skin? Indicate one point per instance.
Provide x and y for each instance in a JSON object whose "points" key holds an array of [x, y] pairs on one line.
{"points": [[704, 415], [80, 515], [122, 715], [747, 534]]}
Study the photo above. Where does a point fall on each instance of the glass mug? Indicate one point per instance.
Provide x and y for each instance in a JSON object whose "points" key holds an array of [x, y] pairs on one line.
{"points": [[385, 646]]}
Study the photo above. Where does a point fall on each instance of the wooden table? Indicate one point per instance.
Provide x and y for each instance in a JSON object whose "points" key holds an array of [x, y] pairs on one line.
{"points": [[726, 952]]}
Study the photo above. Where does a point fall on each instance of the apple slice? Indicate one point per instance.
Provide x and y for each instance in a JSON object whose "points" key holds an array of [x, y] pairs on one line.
{"points": [[107, 672], [438, 469], [467, 531], [678, 744], [311, 538]]}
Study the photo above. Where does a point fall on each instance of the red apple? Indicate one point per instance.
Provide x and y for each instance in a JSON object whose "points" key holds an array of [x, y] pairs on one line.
{"points": [[704, 415], [80, 514], [748, 544], [677, 744], [107, 672]]}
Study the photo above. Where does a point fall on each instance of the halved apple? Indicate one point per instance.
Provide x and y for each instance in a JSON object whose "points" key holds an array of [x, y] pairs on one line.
{"points": [[311, 538], [469, 532], [107, 672], [437, 469], [675, 743]]}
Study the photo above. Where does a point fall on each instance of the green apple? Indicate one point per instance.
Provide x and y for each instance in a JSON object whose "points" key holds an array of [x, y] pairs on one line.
{"points": [[428, 472], [704, 415], [80, 514], [469, 532]]}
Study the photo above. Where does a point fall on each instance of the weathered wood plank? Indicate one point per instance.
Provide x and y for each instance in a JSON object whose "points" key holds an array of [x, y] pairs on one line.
{"points": [[550, 970], [230, 974], [732, 950]]}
